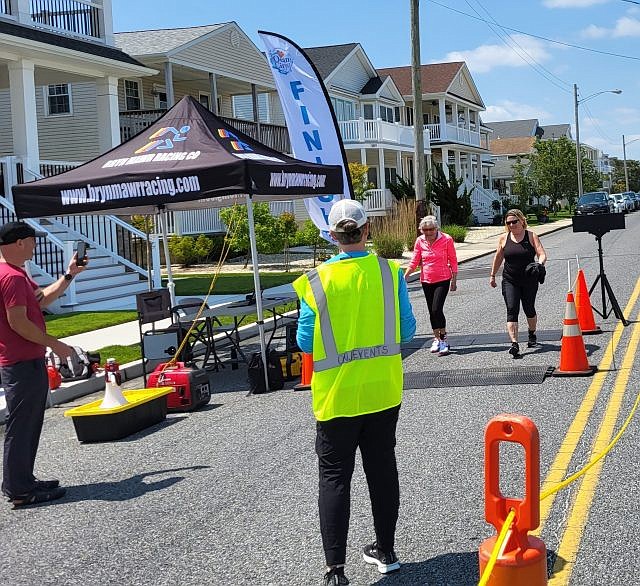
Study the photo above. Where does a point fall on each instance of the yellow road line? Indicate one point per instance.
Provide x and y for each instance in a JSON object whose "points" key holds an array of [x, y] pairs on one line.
{"points": [[558, 470], [570, 542]]}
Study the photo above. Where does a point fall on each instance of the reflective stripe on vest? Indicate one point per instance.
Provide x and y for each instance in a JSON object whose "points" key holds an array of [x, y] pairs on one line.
{"points": [[388, 348]]}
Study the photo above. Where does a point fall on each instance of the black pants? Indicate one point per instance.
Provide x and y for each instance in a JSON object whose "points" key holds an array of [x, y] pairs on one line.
{"points": [[336, 444], [436, 294], [26, 385], [514, 294]]}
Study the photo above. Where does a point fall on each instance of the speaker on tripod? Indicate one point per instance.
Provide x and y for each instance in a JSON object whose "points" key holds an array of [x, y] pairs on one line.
{"points": [[599, 225]]}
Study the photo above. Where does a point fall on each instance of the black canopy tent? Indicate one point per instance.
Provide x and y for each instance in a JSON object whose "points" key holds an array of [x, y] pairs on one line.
{"points": [[189, 158]]}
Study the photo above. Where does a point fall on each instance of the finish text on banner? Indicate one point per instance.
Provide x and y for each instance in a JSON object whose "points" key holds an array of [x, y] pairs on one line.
{"points": [[313, 130]]}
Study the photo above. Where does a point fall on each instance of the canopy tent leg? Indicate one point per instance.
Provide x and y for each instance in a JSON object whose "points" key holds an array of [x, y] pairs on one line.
{"points": [[167, 257], [256, 286]]}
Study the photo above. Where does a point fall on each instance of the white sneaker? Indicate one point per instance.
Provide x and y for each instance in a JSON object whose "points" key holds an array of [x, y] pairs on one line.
{"points": [[435, 345], [443, 348]]}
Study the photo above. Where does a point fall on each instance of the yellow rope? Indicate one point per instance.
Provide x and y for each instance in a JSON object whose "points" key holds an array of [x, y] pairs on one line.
{"points": [[599, 457], [497, 548]]}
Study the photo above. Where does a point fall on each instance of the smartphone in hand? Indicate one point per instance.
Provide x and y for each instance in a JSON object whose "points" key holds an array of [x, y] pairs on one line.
{"points": [[81, 251]]}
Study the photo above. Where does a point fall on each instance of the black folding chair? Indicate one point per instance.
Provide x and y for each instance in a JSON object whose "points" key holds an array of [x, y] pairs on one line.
{"points": [[198, 331]]}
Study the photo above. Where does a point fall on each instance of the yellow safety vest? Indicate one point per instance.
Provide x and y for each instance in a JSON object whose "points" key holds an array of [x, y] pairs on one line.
{"points": [[357, 366]]}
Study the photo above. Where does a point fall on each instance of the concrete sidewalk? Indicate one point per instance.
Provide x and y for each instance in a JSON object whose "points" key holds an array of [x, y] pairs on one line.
{"points": [[481, 241]]}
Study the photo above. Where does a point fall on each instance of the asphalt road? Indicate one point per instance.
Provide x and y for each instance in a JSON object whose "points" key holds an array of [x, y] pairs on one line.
{"points": [[227, 495]]}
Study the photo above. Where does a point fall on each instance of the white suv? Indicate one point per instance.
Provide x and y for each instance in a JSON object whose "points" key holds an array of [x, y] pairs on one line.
{"points": [[618, 202]]}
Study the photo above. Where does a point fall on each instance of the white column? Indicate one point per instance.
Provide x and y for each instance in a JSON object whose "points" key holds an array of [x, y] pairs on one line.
{"points": [[479, 169], [399, 163], [168, 84], [108, 114], [213, 84], [106, 22], [23, 11], [442, 112], [458, 165], [363, 156], [22, 89], [445, 162], [381, 167]]}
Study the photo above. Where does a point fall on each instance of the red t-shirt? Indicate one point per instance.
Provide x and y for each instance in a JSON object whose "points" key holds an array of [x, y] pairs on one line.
{"points": [[16, 289]]}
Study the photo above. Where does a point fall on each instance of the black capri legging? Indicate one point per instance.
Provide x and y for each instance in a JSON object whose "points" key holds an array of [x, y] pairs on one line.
{"points": [[514, 294], [436, 294]]}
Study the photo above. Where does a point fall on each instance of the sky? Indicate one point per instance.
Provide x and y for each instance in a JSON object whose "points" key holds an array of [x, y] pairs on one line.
{"points": [[521, 53]]}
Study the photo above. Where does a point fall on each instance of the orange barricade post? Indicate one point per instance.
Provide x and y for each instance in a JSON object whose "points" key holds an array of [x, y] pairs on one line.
{"points": [[583, 307], [307, 373], [523, 559], [573, 355]]}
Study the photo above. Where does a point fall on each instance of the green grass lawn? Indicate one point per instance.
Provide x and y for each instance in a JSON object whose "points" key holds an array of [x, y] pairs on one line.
{"points": [[228, 283], [70, 324]]}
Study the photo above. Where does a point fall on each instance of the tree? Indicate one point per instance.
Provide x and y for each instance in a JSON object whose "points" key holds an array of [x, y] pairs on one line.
{"points": [[523, 188], [553, 169], [360, 180], [633, 171], [454, 208]]}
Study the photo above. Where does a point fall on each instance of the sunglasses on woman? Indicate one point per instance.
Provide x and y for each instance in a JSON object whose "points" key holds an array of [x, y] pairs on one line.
{"points": [[511, 222]]}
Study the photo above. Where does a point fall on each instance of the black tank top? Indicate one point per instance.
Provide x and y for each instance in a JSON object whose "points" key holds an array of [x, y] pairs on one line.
{"points": [[517, 255]]}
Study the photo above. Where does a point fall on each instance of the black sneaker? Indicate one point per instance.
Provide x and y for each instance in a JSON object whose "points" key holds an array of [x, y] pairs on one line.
{"points": [[47, 484], [515, 350], [386, 562], [532, 342], [335, 577], [37, 496]]}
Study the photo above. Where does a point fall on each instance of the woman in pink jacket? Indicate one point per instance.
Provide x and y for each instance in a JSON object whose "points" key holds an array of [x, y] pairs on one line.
{"points": [[435, 252]]}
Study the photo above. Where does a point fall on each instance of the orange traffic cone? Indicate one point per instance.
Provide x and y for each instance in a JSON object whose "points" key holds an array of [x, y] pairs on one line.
{"points": [[583, 307], [573, 355], [307, 373]]}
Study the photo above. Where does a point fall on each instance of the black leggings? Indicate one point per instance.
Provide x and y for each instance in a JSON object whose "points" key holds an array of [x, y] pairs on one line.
{"points": [[436, 294], [514, 294]]}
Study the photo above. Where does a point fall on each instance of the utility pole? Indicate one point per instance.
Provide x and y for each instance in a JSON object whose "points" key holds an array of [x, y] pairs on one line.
{"points": [[624, 155], [418, 124], [578, 153]]}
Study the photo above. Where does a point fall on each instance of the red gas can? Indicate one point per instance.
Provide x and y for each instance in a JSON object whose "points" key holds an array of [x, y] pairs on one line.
{"points": [[190, 385]]}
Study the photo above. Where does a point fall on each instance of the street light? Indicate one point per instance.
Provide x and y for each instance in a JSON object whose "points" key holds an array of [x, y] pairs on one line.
{"points": [[624, 155], [576, 102]]}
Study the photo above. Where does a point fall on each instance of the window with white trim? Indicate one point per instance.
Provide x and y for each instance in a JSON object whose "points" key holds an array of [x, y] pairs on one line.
{"points": [[344, 109], [205, 99], [133, 95], [242, 105], [161, 100], [386, 113], [367, 111], [58, 99]]}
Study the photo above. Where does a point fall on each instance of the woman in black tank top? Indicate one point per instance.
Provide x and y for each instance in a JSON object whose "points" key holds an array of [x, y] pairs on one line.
{"points": [[518, 248]]}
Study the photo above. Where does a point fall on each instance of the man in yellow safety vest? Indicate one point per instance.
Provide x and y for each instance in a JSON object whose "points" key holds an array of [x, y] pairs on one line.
{"points": [[354, 313]]}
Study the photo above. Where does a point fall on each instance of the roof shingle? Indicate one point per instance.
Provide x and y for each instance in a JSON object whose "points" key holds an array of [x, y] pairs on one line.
{"points": [[327, 58], [513, 128], [152, 42], [512, 146], [436, 77]]}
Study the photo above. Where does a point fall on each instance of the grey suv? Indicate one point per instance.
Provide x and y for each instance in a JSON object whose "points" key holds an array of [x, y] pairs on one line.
{"points": [[594, 202]]}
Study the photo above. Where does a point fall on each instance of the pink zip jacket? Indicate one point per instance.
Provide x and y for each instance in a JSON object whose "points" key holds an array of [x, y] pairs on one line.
{"points": [[438, 260]]}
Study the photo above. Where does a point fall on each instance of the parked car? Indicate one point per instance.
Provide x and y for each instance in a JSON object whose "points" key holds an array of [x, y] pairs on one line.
{"points": [[637, 198], [594, 202], [629, 200], [619, 203]]}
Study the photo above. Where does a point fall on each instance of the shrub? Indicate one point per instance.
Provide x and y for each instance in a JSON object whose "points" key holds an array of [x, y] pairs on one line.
{"points": [[182, 250], [388, 246], [458, 233]]}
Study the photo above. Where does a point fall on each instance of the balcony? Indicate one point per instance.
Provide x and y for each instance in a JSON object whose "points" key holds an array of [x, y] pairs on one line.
{"points": [[357, 132], [452, 133], [78, 18], [378, 201], [134, 121]]}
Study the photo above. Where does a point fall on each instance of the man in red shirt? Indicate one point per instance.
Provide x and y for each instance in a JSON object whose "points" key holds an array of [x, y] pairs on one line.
{"points": [[23, 341]]}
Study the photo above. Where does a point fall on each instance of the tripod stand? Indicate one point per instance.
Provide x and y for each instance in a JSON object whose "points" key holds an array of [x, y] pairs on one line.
{"points": [[606, 289]]}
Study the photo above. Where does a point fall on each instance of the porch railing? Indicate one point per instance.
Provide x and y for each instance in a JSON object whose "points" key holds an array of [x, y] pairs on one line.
{"points": [[134, 121], [5, 8], [79, 17], [207, 221], [362, 130], [378, 200]]}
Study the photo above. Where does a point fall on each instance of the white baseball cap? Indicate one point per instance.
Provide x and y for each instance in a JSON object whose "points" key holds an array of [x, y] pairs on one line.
{"points": [[346, 212]]}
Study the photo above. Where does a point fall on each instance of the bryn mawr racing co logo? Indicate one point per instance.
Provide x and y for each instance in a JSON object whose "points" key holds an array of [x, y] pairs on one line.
{"points": [[164, 138], [280, 60]]}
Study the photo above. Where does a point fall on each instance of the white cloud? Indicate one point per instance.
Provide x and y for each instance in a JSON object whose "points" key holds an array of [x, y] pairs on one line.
{"points": [[572, 3], [624, 27], [508, 110], [487, 57]]}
